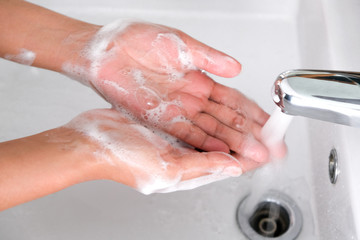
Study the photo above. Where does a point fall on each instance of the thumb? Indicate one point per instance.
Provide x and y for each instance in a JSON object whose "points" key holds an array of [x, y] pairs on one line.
{"points": [[210, 59]]}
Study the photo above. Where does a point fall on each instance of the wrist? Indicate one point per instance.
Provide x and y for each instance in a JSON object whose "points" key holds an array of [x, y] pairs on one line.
{"points": [[70, 48], [71, 58], [34, 35], [42, 164], [74, 153]]}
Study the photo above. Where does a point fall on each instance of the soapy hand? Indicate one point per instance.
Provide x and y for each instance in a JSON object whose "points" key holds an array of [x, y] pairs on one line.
{"points": [[155, 73], [146, 160], [106, 144]]}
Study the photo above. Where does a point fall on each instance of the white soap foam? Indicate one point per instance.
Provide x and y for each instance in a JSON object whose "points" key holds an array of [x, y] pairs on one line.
{"points": [[24, 56], [155, 107], [117, 87], [180, 118], [151, 181], [152, 136], [156, 183], [184, 55], [109, 132], [214, 175], [167, 138], [76, 72], [148, 96], [97, 49], [138, 76], [147, 180], [193, 183], [154, 115], [114, 134]]}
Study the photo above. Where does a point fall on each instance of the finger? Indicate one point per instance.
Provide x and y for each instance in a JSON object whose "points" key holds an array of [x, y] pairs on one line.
{"points": [[174, 121], [241, 142], [233, 119], [202, 85], [198, 84], [210, 59], [196, 137], [226, 115], [278, 150], [247, 164], [199, 169], [198, 164], [238, 102]]}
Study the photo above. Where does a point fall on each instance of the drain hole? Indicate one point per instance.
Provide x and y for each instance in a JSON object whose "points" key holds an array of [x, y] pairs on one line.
{"points": [[270, 219], [275, 216]]}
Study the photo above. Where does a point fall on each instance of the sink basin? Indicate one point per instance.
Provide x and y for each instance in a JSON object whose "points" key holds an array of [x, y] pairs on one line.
{"points": [[267, 37]]}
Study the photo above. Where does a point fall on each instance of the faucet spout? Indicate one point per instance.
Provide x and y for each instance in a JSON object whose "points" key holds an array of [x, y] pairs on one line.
{"points": [[332, 96]]}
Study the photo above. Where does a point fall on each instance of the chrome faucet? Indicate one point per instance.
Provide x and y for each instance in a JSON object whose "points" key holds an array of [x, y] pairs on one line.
{"points": [[332, 96]]}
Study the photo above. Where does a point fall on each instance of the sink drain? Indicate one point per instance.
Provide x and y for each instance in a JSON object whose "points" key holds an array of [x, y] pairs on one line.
{"points": [[276, 216], [270, 220]]}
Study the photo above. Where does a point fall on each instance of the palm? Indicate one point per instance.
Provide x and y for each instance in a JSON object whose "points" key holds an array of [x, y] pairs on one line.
{"points": [[153, 72], [158, 165]]}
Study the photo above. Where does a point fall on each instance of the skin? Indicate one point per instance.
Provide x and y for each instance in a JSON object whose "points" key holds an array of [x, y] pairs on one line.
{"points": [[215, 122], [219, 118], [66, 156], [215, 118]]}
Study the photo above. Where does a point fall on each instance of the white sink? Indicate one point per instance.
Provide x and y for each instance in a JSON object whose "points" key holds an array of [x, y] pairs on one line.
{"points": [[267, 37]]}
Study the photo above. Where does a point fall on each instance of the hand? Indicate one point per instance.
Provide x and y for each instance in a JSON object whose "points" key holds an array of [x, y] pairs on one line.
{"points": [[149, 70], [149, 162], [104, 144], [154, 73]]}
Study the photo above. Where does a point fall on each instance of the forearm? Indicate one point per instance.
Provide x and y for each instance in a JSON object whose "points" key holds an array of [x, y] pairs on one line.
{"points": [[39, 165], [52, 37]]}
